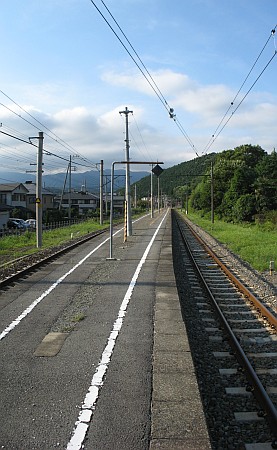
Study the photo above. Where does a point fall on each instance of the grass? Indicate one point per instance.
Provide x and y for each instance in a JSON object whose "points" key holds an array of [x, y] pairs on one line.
{"points": [[12, 247], [255, 244]]}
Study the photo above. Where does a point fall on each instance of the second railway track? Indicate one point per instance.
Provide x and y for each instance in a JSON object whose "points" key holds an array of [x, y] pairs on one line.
{"points": [[233, 340], [15, 269]]}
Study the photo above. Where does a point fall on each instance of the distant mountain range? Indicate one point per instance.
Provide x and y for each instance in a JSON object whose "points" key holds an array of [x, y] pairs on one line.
{"points": [[89, 180]]}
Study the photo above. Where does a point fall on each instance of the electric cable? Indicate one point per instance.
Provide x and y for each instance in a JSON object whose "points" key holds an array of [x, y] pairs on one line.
{"points": [[151, 83], [212, 139], [152, 79], [239, 104], [57, 139], [142, 140]]}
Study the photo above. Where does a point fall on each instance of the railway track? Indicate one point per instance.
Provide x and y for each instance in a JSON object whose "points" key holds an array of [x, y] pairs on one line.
{"points": [[233, 337], [13, 270]]}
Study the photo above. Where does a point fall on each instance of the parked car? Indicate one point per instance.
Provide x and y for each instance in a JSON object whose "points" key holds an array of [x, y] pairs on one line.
{"points": [[31, 223], [18, 224]]}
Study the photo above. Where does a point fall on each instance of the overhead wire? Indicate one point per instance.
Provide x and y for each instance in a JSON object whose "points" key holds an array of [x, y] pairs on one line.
{"points": [[45, 151], [142, 140], [56, 138], [215, 134], [148, 77]]}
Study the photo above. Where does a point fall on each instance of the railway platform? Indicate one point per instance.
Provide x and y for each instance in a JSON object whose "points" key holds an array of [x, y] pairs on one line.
{"points": [[122, 378], [177, 418]]}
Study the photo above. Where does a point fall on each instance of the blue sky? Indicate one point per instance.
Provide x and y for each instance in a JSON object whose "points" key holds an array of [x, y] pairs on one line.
{"points": [[63, 65]]}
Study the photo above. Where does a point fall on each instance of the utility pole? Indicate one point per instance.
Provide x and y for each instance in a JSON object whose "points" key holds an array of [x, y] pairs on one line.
{"points": [[64, 185], [135, 195], [39, 190], [69, 191], [212, 193], [101, 191], [151, 193], [127, 157], [158, 195]]}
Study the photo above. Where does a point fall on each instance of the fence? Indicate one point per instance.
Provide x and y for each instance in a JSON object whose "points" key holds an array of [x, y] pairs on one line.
{"points": [[46, 227]]}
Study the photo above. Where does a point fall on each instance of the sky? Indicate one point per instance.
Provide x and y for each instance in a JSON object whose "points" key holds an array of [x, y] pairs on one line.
{"points": [[66, 73]]}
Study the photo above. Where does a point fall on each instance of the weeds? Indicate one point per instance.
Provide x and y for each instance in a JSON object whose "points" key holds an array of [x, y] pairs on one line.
{"points": [[254, 243]]}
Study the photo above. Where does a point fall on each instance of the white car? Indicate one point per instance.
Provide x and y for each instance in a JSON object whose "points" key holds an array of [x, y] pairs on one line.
{"points": [[31, 223]]}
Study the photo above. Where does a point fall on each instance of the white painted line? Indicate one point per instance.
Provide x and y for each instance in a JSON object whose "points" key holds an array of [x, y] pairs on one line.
{"points": [[59, 281], [45, 293], [89, 404]]}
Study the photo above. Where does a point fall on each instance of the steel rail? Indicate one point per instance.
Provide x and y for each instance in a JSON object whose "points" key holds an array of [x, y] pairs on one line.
{"points": [[258, 389], [47, 259], [262, 309]]}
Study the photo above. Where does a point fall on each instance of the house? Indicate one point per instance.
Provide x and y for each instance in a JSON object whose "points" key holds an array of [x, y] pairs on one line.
{"points": [[21, 196], [118, 203], [13, 194], [83, 202], [47, 200]]}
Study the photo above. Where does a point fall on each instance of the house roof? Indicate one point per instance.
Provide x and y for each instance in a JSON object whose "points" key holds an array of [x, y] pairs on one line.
{"points": [[80, 195], [10, 187], [32, 189]]}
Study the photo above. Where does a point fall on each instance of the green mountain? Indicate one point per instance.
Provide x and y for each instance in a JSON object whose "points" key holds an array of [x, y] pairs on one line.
{"points": [[188, 173]]}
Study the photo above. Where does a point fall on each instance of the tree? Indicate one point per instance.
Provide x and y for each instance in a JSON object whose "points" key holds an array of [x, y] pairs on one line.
{"points": [[245, 208], [180, 192], [266, 185]]}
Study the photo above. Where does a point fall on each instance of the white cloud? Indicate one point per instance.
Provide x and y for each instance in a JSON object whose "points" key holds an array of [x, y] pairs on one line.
{"points": [[100, 133]]}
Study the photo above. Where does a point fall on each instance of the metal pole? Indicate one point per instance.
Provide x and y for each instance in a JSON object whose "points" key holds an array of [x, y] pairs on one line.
{"points": [[151, 193], [158, 195], [101, 192], [212, 194], [106, 196], [39, 190], [128, 196], [64, 184], [112, 189], [69, 191], [111, 213]]}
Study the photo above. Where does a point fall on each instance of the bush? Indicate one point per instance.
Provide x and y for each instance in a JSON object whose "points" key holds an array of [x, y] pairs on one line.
{"points": [[245, 208]]}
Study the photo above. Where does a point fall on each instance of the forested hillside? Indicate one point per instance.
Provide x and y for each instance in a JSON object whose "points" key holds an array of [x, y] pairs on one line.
{"points": [[244, 183], [186, 173]]}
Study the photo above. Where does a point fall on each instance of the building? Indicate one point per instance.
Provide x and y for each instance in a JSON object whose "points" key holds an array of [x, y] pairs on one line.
{"points": [[47, 200], [21, 196], [13, 194], [83, 202]]}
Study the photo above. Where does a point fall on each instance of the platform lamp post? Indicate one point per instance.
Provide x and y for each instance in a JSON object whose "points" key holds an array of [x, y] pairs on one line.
{"points": [[157, 170], [101, 192], [112, 194]]}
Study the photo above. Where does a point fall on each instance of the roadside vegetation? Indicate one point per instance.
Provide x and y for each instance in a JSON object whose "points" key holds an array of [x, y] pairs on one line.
{"points": [[12, 247], [242, 184], [255, 243]]}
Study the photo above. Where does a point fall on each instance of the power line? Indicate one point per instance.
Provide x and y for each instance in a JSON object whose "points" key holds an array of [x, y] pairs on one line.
{"points": [[143, 65], [141, 137], [57, 139], [150, 81], [215, 135], [244, 97]]}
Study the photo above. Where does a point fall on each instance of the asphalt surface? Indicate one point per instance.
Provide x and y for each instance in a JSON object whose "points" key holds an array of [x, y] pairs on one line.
{"points": [[79, 368]]}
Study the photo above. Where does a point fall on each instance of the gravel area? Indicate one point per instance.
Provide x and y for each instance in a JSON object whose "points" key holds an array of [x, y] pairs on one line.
{"points": [[10, 267], [263, 285], [225, 431]]}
